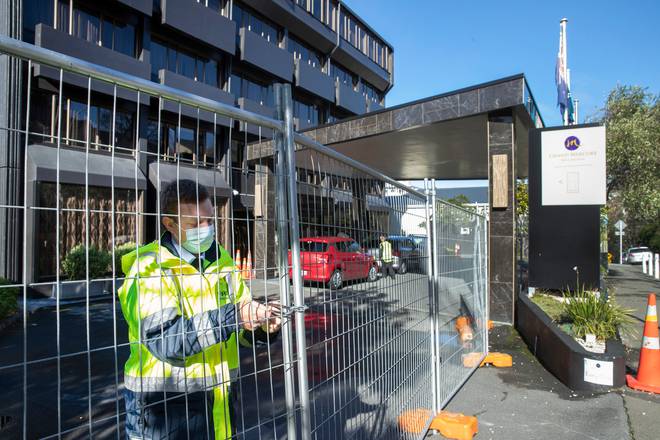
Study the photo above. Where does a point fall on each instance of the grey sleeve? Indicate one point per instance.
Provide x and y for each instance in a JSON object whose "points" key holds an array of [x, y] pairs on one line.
{"points": [[171, 337]]}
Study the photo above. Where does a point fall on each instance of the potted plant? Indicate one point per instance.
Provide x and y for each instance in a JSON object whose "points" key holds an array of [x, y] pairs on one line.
{"points": [[75, 268]]}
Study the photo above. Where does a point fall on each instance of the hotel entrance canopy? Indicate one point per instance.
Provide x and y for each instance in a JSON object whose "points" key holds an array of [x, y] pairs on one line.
{"points": [[442, 137]]}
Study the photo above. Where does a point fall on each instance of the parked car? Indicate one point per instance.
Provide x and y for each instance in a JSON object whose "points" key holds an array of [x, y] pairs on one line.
{"points": [[334, 260], [637, 254], [406, 254]]}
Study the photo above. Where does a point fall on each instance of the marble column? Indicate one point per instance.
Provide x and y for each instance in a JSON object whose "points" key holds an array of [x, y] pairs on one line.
{"points": [[264, 241], [501, 246]]}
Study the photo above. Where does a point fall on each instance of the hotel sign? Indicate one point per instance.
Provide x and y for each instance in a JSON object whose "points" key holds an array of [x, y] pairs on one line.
{"points": [[573, 166]]}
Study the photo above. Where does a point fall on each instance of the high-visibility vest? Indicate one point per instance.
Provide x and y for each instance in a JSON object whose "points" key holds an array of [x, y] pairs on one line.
{"points": [[159, 282], [386, 251]]}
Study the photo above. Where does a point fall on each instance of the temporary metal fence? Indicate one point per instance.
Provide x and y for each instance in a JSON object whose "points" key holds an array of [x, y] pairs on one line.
{"points": [[367, 348]]}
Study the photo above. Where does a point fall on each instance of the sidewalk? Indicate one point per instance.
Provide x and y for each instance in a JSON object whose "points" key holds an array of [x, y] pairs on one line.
{"points": [[526, 402], [631, 288]]}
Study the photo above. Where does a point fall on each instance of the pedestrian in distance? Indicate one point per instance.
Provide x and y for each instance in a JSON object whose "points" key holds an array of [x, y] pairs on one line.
{"points": [[386, 257], [187, 310]]}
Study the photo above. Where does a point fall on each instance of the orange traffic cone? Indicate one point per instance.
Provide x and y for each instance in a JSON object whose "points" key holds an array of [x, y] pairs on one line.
{"points": [[464, 329], [243, 269], [237, 260], [648, 373], [250, 272]]}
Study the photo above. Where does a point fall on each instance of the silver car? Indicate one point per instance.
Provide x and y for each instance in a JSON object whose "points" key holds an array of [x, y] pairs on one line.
{"points": [[637, 254]]}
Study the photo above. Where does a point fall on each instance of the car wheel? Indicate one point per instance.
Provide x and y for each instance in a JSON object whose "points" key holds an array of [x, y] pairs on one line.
{"points": [[373, 274], [403, 268], [336, 280]]}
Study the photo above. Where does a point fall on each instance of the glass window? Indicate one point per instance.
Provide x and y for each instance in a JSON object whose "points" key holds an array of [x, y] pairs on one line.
{"points": [[158, 59], [38, 11], [107, 34], [186, 65], [63, 15], [343, 75], [124, 40], [304, 53], [86, 26], [260, 26], [211, 73], [313, 246]]}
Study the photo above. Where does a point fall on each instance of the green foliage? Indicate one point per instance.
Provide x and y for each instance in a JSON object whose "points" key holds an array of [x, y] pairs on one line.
{"points": [[550, 306], [589, 314], [8, 298], [649, 235], [74, 264], [459, 199], [522, 199], [120, 251], [632, 117]]}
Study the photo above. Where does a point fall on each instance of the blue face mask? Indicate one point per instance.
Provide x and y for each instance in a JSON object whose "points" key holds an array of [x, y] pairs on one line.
{"points": [[199, 240]]}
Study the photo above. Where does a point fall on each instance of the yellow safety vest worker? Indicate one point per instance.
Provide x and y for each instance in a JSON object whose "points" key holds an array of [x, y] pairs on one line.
{"points": [[386, 251], [159, 285]]}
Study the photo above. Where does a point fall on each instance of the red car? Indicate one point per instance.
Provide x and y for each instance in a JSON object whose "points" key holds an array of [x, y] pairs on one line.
{"points": [[333, 260]]}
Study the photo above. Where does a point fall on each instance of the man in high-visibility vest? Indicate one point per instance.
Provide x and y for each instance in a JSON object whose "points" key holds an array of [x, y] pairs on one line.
{"points": [[187, 310], [386, 257]]}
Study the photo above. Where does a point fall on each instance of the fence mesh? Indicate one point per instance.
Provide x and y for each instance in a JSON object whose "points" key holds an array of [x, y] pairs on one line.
{"points": [[141, 306]]}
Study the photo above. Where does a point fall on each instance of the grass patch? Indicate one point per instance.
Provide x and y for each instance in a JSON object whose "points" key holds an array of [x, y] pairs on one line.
{"points": [[553, 308]]}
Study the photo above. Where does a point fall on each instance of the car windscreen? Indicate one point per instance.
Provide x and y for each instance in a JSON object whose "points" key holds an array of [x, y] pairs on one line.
{"points": [[313, 246], [638, 250]]}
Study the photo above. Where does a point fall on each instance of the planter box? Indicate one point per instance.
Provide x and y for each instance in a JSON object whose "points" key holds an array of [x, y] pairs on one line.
{"points": [[564, 357]]}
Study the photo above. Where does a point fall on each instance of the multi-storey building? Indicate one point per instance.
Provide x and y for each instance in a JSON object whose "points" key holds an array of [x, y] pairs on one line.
{"points": [[232, 51]]}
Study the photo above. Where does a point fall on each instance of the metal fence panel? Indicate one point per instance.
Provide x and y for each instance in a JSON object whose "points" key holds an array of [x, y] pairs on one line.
{"points": [[460, 271], [362, 342]]}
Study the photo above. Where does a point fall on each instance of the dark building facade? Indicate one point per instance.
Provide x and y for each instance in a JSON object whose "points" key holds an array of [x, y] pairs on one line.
{"points": [[227, 50]]}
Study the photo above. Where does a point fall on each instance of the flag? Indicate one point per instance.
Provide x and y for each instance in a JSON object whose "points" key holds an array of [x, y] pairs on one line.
{"points": [[561, 74]]}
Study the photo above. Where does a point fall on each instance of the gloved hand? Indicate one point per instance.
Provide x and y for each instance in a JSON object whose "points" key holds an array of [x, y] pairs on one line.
{"points": [[253, 314]]}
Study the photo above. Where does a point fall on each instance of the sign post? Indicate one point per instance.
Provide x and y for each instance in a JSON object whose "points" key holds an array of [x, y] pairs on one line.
{"points": [[620, 226]]}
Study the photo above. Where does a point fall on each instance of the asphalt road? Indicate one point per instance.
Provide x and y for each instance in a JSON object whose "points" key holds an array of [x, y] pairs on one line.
{"points": [[368, 357]]}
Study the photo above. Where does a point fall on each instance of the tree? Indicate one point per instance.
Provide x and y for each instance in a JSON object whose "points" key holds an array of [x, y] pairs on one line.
{"points": [[632, 118]]}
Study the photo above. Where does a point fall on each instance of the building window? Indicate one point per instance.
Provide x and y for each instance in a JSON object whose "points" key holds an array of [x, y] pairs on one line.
{"points": [[343, 76], [183, 142], [220, 6], [304, 53], [320, 9], [242, 87], [360, 37], [307, 114], [245, 18], [44, 122], [35, 12], [96, 28], [370, 92], [178, 60]]}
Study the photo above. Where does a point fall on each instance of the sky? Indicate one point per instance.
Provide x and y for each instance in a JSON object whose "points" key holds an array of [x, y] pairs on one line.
{"points": [[444, 45]]}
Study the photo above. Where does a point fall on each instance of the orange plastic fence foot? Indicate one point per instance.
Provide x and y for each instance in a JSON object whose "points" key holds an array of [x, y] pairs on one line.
{"points": [[472, 360], [455, 426], [499, 360], [451, 425]]}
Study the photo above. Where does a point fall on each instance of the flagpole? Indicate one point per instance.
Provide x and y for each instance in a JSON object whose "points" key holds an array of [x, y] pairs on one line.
{"points": [[564, 55]]}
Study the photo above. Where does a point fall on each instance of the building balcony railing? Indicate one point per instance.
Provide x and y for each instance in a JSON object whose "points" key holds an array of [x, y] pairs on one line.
{"points": [[260, 53], [197, 20], [197, 88], [144, 6], [59, 41], [349, 99], [313, 80], [255, 107]]}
